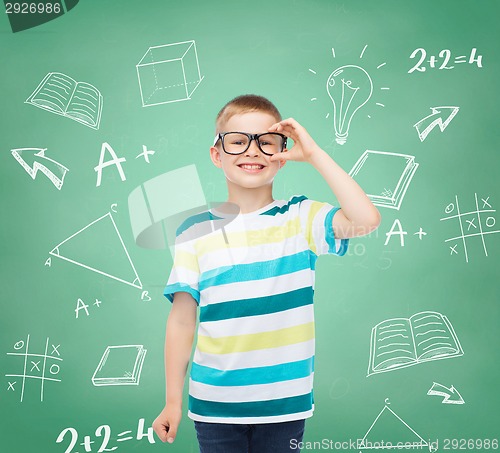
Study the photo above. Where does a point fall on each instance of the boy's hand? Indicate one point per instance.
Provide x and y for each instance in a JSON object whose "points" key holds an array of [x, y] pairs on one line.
{"points": [[166, 424], [304, 147]]}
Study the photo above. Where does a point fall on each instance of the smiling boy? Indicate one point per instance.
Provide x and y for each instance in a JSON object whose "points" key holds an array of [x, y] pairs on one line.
{"points": [[251, 382]]}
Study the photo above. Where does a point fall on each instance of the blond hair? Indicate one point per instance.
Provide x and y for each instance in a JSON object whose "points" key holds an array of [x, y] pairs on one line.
{"points": [[244, 104]]}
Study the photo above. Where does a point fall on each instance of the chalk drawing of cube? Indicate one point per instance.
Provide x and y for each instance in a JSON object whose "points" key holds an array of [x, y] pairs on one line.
{"points": [[168, 73]]}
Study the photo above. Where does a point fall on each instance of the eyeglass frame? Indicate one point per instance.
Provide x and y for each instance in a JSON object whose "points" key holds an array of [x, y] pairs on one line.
{"points": [[220, 136]]}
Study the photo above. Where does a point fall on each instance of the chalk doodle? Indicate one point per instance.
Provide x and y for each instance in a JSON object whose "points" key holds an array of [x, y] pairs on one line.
{"points": [[390, 431], [34, 366], [384, 176], [84, 248], [349, 87], [445, 54], [120, 365], [146, 153], [104, 432], [81, 305], [472, 225], [397, 230], [402, 342], [450, 395], [40, 162], [62, 95], [168, 73], [117, 161], [440, 116]]}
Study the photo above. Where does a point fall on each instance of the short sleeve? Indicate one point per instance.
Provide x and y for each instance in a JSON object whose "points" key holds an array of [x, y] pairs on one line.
{"points": [[185, 272], [316, 222]]}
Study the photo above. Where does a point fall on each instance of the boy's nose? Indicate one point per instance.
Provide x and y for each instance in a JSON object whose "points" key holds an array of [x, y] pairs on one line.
{"points": [[253, 149]]}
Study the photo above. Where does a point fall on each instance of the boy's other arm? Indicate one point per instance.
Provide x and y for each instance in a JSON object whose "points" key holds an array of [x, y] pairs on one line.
{"points": [[179, 336], [357, 216]]}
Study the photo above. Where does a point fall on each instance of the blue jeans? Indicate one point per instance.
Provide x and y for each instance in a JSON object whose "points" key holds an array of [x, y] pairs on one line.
{"points": [[280, 437]]}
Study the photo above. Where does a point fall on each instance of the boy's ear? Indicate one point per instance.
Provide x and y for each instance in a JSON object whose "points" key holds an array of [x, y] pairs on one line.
{"points": [[215, 156]]}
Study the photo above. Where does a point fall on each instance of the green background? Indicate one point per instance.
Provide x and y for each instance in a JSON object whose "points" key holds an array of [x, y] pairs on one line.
{"points": [[268, 49]]}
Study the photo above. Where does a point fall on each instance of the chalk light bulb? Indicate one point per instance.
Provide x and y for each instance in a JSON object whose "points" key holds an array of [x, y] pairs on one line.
{"points": [[349, 87]]}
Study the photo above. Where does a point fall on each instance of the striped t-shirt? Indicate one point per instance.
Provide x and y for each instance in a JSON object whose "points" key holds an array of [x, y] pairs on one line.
{"points": [[253, 279]]}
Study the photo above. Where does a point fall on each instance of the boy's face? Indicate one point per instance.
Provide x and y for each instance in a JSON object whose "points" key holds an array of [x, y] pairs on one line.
{"points": [[233, 165]]}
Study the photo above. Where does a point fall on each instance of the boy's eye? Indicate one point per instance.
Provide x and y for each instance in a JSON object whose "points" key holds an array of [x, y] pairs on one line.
{"points": [[234, 139]]}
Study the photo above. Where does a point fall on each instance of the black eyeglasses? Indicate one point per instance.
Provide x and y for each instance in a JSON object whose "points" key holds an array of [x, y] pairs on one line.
{"points": [[238, 142]]}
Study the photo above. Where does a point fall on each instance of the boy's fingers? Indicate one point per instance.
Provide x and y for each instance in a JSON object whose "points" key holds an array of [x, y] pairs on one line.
{"points": [[290, 130], [165, 430], [163, 435], [279, 156], [289, 124], [161, 430], [172, 432], [292, 123]]}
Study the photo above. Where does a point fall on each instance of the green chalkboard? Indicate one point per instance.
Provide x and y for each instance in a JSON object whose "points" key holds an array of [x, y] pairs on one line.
{"points": [[86, 247]]}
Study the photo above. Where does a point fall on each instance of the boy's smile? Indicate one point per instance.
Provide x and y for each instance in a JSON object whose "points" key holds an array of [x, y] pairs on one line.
{"points": [[252, 167]]}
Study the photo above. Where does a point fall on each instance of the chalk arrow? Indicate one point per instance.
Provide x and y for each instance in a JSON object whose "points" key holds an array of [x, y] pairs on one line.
{"points": [[451, 395], [425, 125], [39, 162]]}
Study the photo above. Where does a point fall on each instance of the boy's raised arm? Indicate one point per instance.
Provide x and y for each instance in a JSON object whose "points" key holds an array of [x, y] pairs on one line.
{"points": [[179, 336], [357, 216]]}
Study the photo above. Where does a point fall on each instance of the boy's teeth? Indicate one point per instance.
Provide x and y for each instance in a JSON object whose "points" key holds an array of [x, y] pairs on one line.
{"points": [[252, 167]]}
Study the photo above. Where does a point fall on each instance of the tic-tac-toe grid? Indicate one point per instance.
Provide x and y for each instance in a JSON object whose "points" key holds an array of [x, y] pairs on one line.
{"points": [[473, 223], [35, 367]]}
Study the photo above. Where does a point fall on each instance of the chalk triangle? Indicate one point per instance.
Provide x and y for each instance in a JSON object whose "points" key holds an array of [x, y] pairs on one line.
{"points": [[99, 247], [389, 430]]}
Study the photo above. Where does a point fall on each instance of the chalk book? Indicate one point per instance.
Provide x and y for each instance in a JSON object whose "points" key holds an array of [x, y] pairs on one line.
{"points": [[62, 95], [402, 342], [120, 365], [384, 177]]}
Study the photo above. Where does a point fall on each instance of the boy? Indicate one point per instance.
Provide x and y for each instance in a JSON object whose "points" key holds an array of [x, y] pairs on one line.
{"points": [[250, 388]]}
